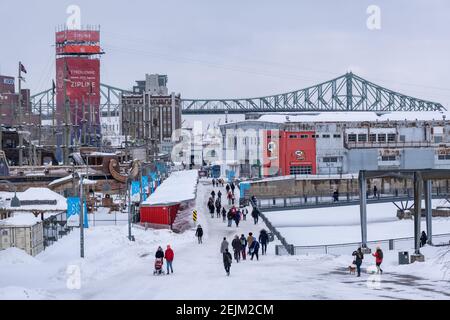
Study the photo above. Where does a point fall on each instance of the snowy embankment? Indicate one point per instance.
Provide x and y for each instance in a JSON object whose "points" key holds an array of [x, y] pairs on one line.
{"points": [[324, 226]]}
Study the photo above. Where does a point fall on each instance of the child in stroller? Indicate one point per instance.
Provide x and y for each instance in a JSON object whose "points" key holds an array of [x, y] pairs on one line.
{"points": [[159, 262]]}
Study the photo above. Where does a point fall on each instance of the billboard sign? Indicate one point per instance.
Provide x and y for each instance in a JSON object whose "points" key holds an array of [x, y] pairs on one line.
{"points": [[82, 87]]}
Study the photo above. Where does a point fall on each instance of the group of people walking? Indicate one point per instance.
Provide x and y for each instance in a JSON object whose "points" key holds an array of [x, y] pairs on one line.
{"points": [[243, 246]]}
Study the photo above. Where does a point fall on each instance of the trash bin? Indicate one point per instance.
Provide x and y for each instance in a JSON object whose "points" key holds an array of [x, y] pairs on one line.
{"points": [[403, 257]]}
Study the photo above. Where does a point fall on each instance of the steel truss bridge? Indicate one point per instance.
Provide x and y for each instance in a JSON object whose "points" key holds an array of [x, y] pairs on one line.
{"points": [[348, 92]]}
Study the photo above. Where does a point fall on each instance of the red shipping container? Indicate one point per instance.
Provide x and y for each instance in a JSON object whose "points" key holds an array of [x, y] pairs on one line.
{"points": [[164, 214]]}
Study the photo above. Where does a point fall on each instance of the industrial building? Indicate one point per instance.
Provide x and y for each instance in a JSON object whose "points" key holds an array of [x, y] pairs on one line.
{"points": [[150, 115], [335, 143]]}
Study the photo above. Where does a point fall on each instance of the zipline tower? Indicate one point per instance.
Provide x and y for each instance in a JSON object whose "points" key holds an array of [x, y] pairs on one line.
{"points": [[78, 88]]}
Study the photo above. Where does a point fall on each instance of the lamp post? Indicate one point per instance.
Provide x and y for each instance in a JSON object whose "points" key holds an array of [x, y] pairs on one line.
{"points": [[130, 236], [81, 218]]}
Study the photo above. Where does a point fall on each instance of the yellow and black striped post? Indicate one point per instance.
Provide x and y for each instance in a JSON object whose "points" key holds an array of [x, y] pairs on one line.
{"points": [[194, 216]]}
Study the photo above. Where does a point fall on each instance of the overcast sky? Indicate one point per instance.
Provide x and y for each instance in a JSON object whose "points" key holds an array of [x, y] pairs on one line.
{"points": [[237, 48]]}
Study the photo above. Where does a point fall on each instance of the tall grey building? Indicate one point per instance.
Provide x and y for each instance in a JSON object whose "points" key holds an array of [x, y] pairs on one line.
{"points": [[150, 115]]}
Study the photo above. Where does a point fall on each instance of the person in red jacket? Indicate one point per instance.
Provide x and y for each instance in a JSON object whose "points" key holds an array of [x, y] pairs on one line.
{"points": [[378, 259], [169, 258]]}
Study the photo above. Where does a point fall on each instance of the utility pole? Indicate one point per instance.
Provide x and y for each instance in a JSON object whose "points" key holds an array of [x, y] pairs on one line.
{"points": [[19, 127]]}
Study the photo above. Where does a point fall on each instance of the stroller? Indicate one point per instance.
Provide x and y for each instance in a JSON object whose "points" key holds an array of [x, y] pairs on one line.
{"points": [[159, 266]]}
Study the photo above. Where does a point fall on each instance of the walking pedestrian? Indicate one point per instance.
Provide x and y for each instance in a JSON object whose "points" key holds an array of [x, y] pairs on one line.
{"points": [[213, 194], [230, 217], [254, 249], [378, 259], [224, 245], [219, 196], [227, 260], [224, 214], [255, 215], [169, 255], [227, 187], [218, 206], [211, 208], [423, 239], [199, 234], [244, 246], [214, 182], [232, 198], [232, 186], [244, 214], [229, 197], [250, 239], [359, 256], [237, 218], [237, 248], [263, 240], [375, 191]]}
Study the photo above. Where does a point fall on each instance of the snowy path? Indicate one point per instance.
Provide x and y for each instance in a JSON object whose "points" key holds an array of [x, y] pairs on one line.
{"points": [[115, 268]]}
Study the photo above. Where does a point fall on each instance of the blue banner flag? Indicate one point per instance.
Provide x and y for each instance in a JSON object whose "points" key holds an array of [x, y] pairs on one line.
{"points": [[73, 212]]}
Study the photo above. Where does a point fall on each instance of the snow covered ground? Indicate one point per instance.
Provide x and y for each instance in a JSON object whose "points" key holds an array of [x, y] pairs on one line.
{"points": [[115, 268]]}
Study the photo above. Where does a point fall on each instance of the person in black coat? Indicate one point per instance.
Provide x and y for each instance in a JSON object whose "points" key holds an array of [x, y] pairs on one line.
{"points": [[359, 256], [254, 249], [199, 234], [237, 248], [219, 195], [263, 240], [227, 187], [423, 239], [227, 260], [232, 186], [218, 206], [213, 194], [224, 214], [159, 253], [255, 215]]}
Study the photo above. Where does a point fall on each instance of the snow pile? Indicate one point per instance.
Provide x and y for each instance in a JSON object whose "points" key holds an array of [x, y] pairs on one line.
{"points": [[14, 256], [181, 186]]}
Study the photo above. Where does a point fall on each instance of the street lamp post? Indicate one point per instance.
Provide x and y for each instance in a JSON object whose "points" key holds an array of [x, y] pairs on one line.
{"points": [[81, 218], [130, 236]]}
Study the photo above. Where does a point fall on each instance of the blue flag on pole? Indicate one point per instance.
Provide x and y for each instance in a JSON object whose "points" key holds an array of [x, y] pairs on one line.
{"points": [[73, 209]]}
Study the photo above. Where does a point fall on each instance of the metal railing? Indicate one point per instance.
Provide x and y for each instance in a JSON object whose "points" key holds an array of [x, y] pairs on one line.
{"points": [[388, 144], [347, 248], [285, 245], [344, 199]]}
